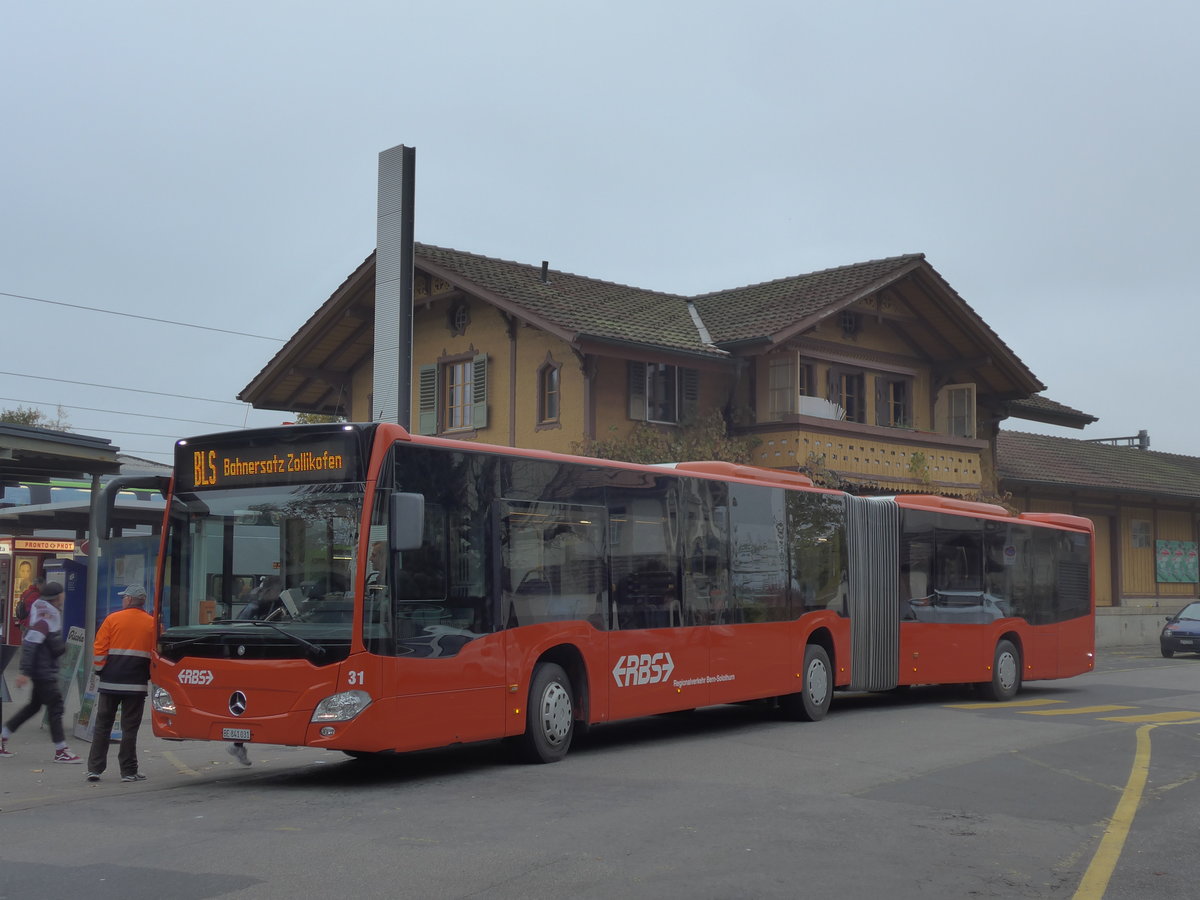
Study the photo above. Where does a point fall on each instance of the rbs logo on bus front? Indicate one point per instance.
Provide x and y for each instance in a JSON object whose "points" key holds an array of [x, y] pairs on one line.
{"points": [[645, 668]]}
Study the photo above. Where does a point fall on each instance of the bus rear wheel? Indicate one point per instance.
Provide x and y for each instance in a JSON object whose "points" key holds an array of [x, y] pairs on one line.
{"points": [[812, 702], [1006, 673], [550, 716]]}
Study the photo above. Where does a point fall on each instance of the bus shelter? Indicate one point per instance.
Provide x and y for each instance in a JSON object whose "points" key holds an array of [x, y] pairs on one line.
{"points": [[28, 456]]}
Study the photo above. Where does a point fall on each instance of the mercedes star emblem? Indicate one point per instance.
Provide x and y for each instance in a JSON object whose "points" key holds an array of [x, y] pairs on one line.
{"points": [[237, 703]]}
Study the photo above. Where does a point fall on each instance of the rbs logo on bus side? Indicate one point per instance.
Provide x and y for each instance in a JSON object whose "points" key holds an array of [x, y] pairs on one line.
{"points": [[646, 668]]}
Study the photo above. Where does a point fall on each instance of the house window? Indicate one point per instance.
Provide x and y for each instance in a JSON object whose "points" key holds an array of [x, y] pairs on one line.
{"points": [[460, 385], [1140, 533], [452, 395], [956, 410], [893, 402], [848, 393], [548, 391], [781, 387], [662, 393], [785, 382]]}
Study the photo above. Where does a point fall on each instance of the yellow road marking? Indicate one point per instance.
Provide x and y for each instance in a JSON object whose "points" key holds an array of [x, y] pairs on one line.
{"points": [[180, 766], [1074, 711], [1008, 704], [1096, 878], [1164, 716]]}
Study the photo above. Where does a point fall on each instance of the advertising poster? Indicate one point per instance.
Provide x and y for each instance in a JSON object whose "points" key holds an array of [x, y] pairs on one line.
{"points": [[85, 727], [68, 664], [1176, 562]]}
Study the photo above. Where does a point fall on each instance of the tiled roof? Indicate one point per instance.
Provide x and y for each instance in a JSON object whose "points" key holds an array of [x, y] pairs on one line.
{"points": [[588, 306], [583, 306], [763, 309], [1043, 409], [1036, 459]]}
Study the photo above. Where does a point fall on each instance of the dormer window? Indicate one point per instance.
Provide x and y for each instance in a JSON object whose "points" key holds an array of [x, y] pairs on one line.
{"points": [[458, 318], [850, 323]]}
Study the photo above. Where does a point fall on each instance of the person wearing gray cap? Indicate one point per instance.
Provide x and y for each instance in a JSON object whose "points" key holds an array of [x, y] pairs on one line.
{"points": [[122, 660], [40, 649]]}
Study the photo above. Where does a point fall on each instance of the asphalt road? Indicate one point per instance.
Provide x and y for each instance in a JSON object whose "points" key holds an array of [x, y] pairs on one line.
{"points": [[925, 793]]}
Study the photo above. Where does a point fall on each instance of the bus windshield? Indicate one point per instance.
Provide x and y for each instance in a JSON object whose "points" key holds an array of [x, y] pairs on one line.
{"points": [[272, 554]]}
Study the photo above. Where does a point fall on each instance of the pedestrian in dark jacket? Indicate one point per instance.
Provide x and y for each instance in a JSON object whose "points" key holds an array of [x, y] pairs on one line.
{"points": [[122, 660], [40, 650]]}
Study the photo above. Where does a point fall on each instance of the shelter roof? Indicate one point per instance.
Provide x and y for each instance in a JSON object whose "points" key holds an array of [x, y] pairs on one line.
{"points": [[29, 453]]}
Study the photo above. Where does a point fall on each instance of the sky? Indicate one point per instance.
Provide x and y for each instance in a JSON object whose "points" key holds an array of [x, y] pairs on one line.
{"points": [[213, 164]]}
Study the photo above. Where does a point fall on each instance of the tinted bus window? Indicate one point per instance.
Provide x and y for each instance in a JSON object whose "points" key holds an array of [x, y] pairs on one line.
{"points": [[759, 559], [817, 547], [705, 549], [643, 540], [552, 563], [431, 601]]}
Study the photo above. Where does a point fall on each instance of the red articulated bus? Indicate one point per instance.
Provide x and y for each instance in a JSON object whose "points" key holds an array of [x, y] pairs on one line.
{"points": [[362, 589]]}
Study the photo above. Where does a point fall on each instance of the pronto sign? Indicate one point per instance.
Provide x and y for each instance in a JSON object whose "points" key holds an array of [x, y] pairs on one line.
{"points": [[35, 544]]}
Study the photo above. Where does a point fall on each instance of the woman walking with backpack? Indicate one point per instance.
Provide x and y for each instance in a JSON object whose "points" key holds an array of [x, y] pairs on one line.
{"points": [[40, 650]]}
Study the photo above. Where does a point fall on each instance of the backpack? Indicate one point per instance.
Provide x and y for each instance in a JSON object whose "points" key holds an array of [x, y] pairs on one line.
{"points": [[25, 606]]}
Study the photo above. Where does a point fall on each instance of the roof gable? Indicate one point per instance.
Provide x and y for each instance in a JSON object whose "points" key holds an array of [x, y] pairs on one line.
{"points": [[768, 309]]}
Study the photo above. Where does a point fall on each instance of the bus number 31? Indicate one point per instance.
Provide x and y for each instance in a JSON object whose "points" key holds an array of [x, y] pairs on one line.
{"points": [[357, 677]]}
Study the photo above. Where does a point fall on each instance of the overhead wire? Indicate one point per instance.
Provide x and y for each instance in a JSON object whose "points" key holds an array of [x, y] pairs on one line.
{"points": [[113, 387], [247, 407], [113, 312], [119, 412]]}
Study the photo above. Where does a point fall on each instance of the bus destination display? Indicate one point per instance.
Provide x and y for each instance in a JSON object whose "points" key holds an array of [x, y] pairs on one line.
{"points": [[331, 458]]}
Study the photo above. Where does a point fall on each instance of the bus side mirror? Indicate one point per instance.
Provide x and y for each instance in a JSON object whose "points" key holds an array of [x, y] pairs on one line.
{"points": [[407, 526]]}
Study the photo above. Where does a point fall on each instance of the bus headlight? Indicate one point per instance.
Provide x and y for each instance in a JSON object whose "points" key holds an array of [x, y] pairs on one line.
{"points": [[341, 707], [161, 700]]}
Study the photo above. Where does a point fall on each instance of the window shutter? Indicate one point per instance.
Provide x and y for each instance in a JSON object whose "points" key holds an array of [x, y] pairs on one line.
{"points": [[479, 387], [690, 390], [427, 400], [881, 410], [637, 390]]}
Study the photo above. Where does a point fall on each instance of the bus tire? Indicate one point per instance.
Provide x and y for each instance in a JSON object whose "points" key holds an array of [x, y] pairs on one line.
{"points": [[550, 716], [1006, 673], [812, 702]]}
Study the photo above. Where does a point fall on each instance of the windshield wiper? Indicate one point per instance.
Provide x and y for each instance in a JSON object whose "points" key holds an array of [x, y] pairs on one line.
{"points": [[315, 649]]}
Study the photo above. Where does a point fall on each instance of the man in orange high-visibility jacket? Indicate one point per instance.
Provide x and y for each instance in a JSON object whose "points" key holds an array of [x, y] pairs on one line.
{"points": [[122, 660]]}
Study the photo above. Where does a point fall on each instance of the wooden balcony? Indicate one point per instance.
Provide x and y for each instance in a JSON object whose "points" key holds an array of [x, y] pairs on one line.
{"points": [[876, 459]]}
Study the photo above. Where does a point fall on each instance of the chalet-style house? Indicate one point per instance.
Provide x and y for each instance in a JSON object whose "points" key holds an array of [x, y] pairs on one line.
{"points": [[877, 374], [877, 377]]}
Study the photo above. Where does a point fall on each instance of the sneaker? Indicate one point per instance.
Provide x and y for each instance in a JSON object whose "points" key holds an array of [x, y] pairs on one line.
{"points": [[93, 776], [238, 752], [64, 755], [4, 751], [136, 776]]}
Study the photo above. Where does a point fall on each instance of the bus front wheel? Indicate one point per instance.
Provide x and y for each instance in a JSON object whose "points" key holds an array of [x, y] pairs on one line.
{"points": [[550, 717], [812, 702], [1006, 673]]}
